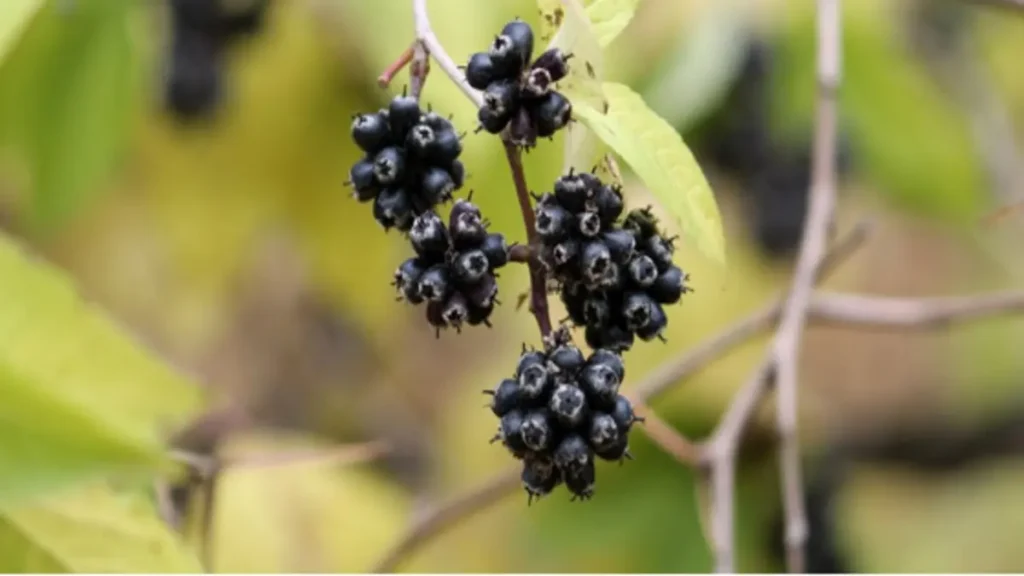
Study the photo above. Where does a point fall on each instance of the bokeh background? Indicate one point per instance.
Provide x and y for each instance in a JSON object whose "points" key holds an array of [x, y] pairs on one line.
{"points": [[229, 243]]}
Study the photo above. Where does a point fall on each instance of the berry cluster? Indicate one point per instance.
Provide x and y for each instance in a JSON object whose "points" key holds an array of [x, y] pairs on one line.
{"points": [[201, 29], [613, 279], [411, 163], [559, 412], [453, 270], [519, 94]]}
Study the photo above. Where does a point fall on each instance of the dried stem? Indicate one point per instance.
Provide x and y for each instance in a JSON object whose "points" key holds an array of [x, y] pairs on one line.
{"points": [[538, 282], [389, 73]]}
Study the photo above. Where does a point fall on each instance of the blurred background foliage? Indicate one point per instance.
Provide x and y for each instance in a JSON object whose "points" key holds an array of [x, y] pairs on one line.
{"points": [[230, 244]]}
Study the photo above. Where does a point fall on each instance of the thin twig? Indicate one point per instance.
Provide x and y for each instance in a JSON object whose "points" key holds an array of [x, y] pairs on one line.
{"points": [[812, 250], [863, 311], [744, 329], [425, 34], [666, 437], [448, 514], [403, 60], [538, 282]]}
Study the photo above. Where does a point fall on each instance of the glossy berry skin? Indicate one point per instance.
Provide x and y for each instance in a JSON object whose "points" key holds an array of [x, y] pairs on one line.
{"points": [[609, 359], [655, 325], [569, 405], [480, 71], [670, 286], [510, 431], [511, 49], [371, 132], [621, 245], [429, 237], [496, 250], [434, 284], [505, 397], [555, 62], [362, 179], [437, 185], [491, 120], [552, 222], [471, 266], [604, 432], [600, 383], [643, 272], [392, 209], [623, 414], [572, 454], [581, 482], [482, 295], [537, 431], [403, 113], [551, 113], [539, 477], [389, 166]]}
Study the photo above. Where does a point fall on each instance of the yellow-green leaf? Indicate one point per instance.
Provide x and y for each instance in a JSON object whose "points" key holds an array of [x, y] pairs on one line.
{"points": [[657, 154], [79, 397], [610, 17], [14, 16], [91, 529]]}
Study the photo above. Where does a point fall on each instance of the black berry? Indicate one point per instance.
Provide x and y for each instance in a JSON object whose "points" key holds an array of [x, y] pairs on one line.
{"points": [[480, 70]]}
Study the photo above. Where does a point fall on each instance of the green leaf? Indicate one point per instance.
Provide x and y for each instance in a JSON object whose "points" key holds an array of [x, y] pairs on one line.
{"points": [[90, 530], [68, 94], [575, 35], [80, 398], [14, 16], [610, 17], [656, 152]]}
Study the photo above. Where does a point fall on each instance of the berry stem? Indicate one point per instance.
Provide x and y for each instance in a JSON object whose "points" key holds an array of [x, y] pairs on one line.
{"points": [[389, 73], [538, 282], [426, 37]]}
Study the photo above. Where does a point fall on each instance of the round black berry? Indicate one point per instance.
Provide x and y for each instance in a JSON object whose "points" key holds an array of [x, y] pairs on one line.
{"points": [[467, 231], [565, 252], [463, 207], [537, 430], [565, 359], [512, 49], [437, 185], [609, 359], [470, 267], [434, 284], [458, 173], [532, 374], [407, 278], [538, 83], [445, 148], [621, 244], [496, 250], [555, 62], [521, 131], [669, 287], [611, 337], [504, 397], [362, 179], [429, 236], [539, 476], [604, 432], [655, 326], [596, 262], [643, 272], [456, 310], [589, 224], [552, 222], [551, 113], [482, 294], [389, 165], [581, 482], [607, 201], [660, 250], [370, 132], [403, 113], [392, 209], [601, 384], [502, 98], [510, 431], [569, 405], [491, 120], [572, 454], [571, 192], [638, 310], [623, 414], [480, 70]]}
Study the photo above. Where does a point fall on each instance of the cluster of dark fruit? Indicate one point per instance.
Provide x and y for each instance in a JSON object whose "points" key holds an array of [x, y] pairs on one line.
{"points": [[411, 163], [201, 29], [453, 270], [613, 279], [517, 93], [559, 412]]}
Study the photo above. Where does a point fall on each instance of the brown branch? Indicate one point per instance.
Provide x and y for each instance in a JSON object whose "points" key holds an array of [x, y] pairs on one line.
{"points": [[863, 311], [666, 437], [1014, 5], [742, 330], [403, 60], [538, 281]]}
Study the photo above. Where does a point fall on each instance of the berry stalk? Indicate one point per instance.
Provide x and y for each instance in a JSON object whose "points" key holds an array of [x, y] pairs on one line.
{"points": [[538, 280]]}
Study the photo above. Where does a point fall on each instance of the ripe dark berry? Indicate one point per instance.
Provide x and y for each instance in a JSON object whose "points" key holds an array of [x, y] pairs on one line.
{"points": [[362, 179], [537, 432], [538, 83], [195, 79], [419, 139], [623, 414], [575, 302], [601, 384], [655, 326], [403, 113], [641, 222], [504, 397], [389, 165], [539, 476], [434, 284], [572, 454], [551, 113], [552, 222], [429, 236], [458, 173], [532, 374], [480, 314], [669, 287], [496, 250], [510, 431], [471, 267], [565, 359], [407, 278], [571, 192], [596, 311], [467, 231], [660, 250], [609, 359], [512, 49], [638, 310], [555, 62], [569, 405], [608, 203], [611, 337], [596, 262], [502, 98], [604, 432], [445, 147], [621, 244], [589, 224], [456, 310], [371, 132], [616, 451], [565, 252], [643, 272], [462, 207], [392, 209], [581, 482], [482, 294], [491, 120], [480, 70], [437, 185]]}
